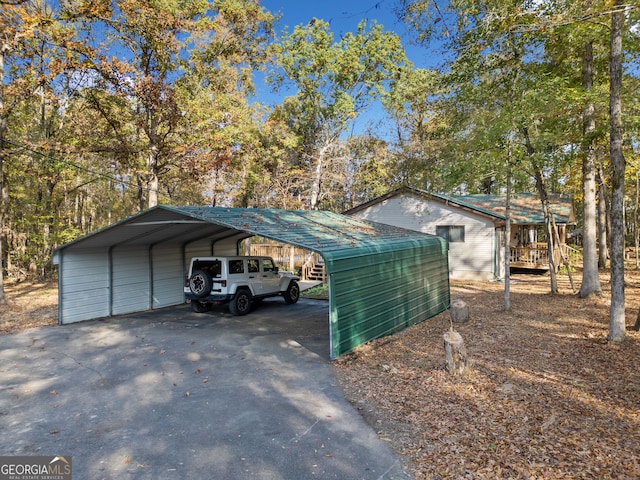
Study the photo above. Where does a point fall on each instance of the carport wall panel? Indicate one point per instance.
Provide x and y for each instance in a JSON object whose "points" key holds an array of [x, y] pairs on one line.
{"points": [[131, 278], [168, 276], [83, 285], [376, 295]]}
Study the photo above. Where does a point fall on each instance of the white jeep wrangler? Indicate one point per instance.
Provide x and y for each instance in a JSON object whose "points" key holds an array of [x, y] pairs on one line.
{"points": [[238, 282]]}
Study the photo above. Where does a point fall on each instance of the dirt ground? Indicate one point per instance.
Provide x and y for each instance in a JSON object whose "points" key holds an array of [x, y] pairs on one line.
{"points": [[29, 304], [545, 395]]}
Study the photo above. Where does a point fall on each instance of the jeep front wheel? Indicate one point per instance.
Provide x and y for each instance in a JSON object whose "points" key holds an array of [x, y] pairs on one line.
{"points": [[240, 304], [200, 283], [292, 293]]}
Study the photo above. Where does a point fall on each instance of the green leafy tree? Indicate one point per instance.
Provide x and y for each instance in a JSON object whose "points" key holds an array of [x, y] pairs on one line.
{"points": [[415, 103], [371, 169], [38, 48], [332, 82], [554, 50], [176, 60]]}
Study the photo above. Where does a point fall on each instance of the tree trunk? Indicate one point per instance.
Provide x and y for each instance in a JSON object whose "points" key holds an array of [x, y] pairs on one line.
{"points": [[542, 191], [636, 239], [316, 184], [3, 132], [459, 311], [617, 319], [603, 221], [507, 235], [590, 275], [152, 178]]}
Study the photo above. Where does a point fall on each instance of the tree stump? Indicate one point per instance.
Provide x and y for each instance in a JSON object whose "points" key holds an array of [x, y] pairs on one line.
{"points": [[459, 311], [455, 352]]}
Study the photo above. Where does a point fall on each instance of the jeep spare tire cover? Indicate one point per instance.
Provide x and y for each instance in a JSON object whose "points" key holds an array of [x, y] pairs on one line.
{"points": [[200, 283]]}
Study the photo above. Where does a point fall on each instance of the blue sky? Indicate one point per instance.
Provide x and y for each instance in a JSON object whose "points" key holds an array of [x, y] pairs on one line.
{"points": [[344, 16]]}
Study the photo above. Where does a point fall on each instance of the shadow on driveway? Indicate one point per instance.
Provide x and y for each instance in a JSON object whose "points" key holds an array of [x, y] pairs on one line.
{"points": [[171, 394]]}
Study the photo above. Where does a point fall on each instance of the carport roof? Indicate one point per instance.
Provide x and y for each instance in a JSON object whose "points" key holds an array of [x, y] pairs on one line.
{"points": [[330, 234]]}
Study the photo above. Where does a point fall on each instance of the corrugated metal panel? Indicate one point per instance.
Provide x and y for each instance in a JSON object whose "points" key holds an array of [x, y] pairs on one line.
{"points": [[168, 276], [381, 293], [83, 285], [314, 230], [200, 248], [526, 208], [131, 280]]}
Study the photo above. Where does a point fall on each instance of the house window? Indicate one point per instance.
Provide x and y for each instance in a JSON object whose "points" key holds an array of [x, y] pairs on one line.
{"points": [[452, 233]]}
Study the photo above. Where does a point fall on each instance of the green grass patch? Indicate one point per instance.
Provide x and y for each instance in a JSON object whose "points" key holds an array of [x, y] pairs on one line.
{"points": [[319, 292]]}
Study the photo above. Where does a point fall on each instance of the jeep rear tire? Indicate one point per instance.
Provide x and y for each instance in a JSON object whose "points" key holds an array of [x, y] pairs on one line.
{"points": [[240, 304], [292, 293], [200, 283]]}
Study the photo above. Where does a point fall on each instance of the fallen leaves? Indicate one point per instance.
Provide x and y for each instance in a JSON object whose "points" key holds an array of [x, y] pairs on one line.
{"points": [[546, 396], [30, 304]]}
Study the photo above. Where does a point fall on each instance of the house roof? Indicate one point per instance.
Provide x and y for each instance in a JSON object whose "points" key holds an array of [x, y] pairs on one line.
{"points": [[526, 208], [460, 203]]}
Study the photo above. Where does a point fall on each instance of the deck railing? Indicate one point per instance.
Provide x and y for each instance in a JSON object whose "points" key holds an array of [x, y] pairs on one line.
{"points": [[533, 257], [313, 268], [286, 256], [537, 256]]}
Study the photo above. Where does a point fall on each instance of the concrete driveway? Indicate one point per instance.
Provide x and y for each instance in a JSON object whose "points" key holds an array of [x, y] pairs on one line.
{"points": [[171, 394]]}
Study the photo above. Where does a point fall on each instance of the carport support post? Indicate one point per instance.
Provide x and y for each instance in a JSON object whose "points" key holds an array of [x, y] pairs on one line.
{"points": [[110, 278], [292, 258]]}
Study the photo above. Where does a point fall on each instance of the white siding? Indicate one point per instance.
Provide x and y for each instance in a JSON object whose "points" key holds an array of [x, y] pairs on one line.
{"points": [[84, 286], [131, 280], [168, 276], [473, 259]]}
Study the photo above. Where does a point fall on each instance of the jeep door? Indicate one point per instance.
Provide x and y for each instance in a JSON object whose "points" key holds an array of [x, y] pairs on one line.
{"points": [[270, 280]]}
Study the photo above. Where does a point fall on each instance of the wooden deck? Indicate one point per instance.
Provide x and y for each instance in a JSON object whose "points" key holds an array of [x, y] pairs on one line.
{"points": [[537, 257]]}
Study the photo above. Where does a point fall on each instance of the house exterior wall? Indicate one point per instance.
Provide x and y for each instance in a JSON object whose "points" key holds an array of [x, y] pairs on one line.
{"points": [[472, 259]]}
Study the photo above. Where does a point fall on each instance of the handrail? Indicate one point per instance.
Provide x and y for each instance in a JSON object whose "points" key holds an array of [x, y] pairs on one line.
{"points": [[539, 255]]}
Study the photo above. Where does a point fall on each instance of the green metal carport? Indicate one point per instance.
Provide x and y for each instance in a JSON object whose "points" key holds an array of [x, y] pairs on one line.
{"points": [[382, 279]]}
